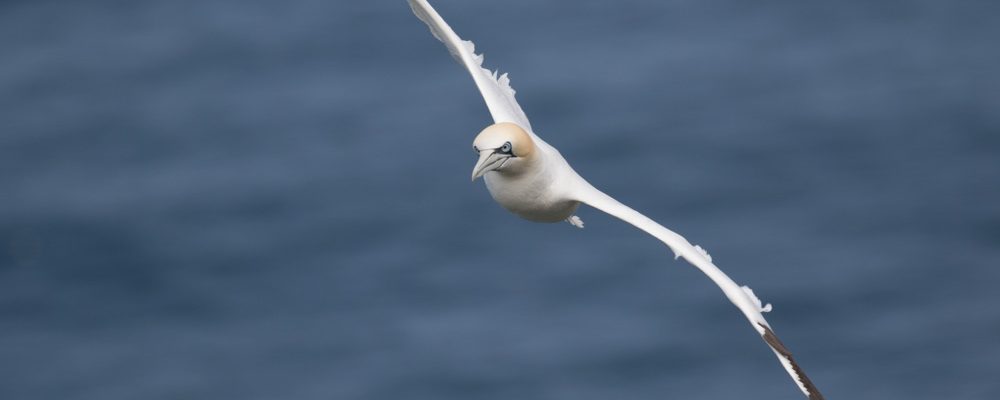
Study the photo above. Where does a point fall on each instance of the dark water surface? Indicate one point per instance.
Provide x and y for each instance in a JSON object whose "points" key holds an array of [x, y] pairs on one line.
{"points": [[271, 200]]}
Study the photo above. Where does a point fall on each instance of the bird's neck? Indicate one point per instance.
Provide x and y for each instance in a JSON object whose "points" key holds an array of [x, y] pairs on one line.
{"points": [[531, 163]]}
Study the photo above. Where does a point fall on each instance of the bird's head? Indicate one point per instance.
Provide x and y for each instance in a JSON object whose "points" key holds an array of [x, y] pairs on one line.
{"points": [[502, 147]]}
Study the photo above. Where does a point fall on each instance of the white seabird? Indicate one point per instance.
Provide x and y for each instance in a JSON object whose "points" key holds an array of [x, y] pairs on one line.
{"points": [[530, 178]]}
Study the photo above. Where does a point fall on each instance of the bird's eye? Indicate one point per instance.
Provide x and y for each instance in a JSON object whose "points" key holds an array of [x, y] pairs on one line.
{"points": [[505, 148], [475, 149]]}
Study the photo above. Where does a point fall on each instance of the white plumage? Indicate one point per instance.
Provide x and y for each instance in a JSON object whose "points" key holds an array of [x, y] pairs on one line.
{"points": [[528, 177]]}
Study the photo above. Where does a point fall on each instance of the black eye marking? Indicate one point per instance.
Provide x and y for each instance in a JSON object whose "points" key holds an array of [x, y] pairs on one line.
{"points": [[506, 148], [475, 149]]}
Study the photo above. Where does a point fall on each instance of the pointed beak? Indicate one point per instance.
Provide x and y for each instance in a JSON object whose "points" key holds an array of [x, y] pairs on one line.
{"points": [[488, 160]]}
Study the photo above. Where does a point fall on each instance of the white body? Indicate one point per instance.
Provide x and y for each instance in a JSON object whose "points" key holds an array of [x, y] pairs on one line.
{"points": [[543, 195]]}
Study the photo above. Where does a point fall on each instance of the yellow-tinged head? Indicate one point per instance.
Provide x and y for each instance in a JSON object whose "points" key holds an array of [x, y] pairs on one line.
{"points": [[502, 147]]}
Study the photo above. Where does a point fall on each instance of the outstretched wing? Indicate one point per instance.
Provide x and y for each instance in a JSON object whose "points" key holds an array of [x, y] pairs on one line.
{"points": [[741, 296], [495, 89]]}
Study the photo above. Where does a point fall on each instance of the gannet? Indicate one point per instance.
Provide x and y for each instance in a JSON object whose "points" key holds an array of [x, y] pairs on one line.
{"points": [[531, 179]]}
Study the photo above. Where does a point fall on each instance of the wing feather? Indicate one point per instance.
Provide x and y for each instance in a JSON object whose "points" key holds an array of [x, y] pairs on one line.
{"points": [[741, 296], [496, 90]]}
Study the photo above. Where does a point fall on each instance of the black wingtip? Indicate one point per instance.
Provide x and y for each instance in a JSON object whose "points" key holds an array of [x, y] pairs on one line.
{"points": [[772, 340]]}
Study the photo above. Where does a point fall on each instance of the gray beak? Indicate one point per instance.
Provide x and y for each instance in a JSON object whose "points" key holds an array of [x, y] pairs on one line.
{"points": [[488, 160]]}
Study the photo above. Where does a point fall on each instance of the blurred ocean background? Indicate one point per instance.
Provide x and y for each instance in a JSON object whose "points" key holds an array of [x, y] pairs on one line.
{"points": [[270, 200]]}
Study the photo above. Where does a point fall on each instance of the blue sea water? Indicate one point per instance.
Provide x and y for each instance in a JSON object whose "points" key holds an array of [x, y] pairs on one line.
{"points": [[270, 200]]}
